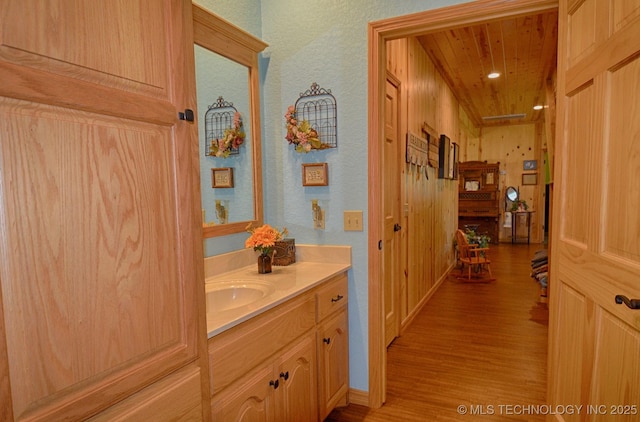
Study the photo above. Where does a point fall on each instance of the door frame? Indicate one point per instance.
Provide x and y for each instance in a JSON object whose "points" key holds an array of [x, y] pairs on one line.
{"points": [[378, 33]]}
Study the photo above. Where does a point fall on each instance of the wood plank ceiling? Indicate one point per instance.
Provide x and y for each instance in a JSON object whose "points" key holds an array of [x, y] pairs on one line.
{"points": [[523, 50]]}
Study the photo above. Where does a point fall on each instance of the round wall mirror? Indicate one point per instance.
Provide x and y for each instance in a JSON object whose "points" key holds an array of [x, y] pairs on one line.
{"points": [[512, 194]]}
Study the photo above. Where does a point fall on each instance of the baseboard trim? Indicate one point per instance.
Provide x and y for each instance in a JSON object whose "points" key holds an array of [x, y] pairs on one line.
{"points": [[359, 397], [409, 319]]}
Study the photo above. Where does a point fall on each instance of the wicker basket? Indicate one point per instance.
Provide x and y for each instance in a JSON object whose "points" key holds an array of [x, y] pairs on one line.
{"points": [[285, 252]]}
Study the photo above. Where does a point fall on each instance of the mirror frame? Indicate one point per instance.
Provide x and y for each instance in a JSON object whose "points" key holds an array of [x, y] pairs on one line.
{"points": [[506, 194], [224, 38]]}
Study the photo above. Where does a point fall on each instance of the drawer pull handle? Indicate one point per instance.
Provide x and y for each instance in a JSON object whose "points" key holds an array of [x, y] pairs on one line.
{"points": [[631, 303], [275, 384], [284, 375], [337, 298], [327, 340]]}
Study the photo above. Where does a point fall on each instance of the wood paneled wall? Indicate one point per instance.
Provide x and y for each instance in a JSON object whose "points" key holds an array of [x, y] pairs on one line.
{"points": [[510, 146], [469, 138], [430, 204]]}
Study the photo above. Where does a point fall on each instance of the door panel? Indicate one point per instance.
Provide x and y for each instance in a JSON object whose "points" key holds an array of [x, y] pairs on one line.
{"points": [[623, 147], [391, 212], [99, 204], [119, 45], [594, 342], [617, 368]]}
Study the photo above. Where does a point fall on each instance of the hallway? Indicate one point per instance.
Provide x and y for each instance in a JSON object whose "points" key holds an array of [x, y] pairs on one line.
{"points": [[481, 346]]}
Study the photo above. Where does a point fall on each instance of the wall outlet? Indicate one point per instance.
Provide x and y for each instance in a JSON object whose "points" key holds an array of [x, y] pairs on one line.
{"points": [[353, 220]]}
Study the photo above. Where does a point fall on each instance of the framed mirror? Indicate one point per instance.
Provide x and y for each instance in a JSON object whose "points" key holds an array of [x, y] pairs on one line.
{"points": [[226, 59], [512, 194]]}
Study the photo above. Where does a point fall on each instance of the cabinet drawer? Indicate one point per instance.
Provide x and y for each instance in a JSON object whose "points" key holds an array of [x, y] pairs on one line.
{"points": [[332, 296], [237, 350]]}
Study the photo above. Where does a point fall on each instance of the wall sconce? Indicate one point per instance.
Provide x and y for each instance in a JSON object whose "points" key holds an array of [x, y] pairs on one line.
{"points": [[222, 211], [318, 215]]}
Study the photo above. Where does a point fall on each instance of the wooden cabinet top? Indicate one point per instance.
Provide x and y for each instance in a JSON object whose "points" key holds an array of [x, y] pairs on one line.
{"points": [[477, 176]]}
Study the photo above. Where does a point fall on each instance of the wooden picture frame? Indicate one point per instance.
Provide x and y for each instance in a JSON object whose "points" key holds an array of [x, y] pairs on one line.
{"points": [[456, 158], [315, 174], [444, 158], [222, 177], [529, 178], [451, 160]]}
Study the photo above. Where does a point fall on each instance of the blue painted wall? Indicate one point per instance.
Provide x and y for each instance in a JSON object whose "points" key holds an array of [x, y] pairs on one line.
{"points": [[323, 41]]}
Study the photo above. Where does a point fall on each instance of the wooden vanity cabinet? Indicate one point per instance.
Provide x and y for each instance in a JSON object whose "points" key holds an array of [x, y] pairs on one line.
{"points": [[333, 367], [250, 399], [283, 389], [297, 375], [277, 366], [333, 345]]}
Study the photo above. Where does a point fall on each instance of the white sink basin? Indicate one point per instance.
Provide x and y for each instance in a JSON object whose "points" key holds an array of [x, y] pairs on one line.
{"points": [[225, 295]]}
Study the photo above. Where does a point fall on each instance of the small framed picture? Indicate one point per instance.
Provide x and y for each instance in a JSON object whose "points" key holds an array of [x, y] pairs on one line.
{"points": [[529, 178], [222, 177], [315, 174], [530, 165]]}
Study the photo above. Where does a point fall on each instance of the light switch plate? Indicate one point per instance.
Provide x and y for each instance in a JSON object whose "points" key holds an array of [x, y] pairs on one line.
{"points": [[353, 220]]}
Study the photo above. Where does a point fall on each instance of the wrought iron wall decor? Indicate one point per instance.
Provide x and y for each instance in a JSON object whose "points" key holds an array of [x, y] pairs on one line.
{"points": [[316, 106], [223, 128]]}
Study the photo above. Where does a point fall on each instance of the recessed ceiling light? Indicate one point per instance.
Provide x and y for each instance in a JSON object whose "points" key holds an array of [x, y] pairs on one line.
{"points": [[493, 75], [538, 107]]}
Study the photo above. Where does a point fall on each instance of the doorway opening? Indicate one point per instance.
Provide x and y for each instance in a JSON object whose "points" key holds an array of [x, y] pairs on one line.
{"points": [[379, 33]]}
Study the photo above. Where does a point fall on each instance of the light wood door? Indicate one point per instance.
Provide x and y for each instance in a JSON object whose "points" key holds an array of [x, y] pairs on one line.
{"points": [[391, 210], [594, 342], [100, 247]]}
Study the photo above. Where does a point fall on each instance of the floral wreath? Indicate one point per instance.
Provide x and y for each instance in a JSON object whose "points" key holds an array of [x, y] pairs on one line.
{"points": [[301, 134], [232, 138]]}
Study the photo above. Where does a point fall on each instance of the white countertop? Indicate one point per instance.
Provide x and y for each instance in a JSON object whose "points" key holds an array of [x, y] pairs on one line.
{"points": [[314, 265]]}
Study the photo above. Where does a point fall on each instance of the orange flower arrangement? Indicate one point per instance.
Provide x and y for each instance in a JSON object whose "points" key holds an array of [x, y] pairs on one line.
{"points": [[264, 238]]}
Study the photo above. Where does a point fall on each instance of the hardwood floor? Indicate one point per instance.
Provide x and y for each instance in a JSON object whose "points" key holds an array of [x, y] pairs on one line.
{"points": [[478, 345]]}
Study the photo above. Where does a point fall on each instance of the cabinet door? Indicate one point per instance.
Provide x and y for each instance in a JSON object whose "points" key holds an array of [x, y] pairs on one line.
{"points": [[333, 359], [250, 399], [297, 395], [101, 248]]}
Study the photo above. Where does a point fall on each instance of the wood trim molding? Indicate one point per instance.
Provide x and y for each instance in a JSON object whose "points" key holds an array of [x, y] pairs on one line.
{"points": [[226, 38], [378, 33], [358, 397]]}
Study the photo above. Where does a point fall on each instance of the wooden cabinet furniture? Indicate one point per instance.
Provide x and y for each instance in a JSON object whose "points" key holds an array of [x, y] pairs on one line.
{"points": [[521, 220], [102, 310], [333, 345], [478, 199], [289, 363], [283, 388]]}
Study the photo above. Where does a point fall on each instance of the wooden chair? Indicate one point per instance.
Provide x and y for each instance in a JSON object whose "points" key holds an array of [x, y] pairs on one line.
{"points": [[475, 258]]}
